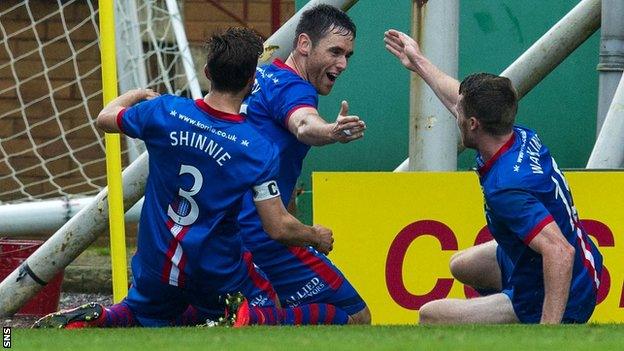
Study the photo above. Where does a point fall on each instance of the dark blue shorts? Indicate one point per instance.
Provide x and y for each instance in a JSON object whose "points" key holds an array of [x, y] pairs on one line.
{"points": [[156, 304], [528, 299], [303, 276]]}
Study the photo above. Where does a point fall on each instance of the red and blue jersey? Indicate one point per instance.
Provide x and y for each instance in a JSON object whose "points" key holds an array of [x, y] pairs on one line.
{"points": [[524, 191], [201, 163], [278, 92]]}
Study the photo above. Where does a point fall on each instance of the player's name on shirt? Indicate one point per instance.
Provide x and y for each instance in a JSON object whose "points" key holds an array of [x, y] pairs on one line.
{"points": [[532, 149], [200, 142]]}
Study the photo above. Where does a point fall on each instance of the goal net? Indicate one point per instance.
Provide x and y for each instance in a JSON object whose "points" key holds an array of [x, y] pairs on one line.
{"points": [[51, 89]]}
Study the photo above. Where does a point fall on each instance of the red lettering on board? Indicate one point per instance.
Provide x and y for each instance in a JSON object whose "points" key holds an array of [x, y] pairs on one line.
{"points": [[604, 238], [396, 256], [622, 297]]}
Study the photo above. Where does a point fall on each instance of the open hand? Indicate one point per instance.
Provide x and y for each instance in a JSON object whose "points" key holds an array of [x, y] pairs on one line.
{"points": [[347, 127], [403, 47]]}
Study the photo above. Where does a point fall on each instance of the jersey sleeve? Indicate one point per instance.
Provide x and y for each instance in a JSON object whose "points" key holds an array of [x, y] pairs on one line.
{"points": [[291, 96], [266, 186], [134, 120], [520, 212]]}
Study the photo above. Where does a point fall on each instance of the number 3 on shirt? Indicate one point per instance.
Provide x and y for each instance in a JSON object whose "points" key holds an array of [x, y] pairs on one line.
{"points": [[193, 214]]}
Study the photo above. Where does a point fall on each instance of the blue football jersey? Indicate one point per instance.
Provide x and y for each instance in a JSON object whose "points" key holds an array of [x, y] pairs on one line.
{"points": [[524, 191], [201, 163], [278, 92]]}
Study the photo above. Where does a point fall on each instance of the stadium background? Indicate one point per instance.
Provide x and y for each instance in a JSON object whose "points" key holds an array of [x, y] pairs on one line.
{"points": [[492, 34]]}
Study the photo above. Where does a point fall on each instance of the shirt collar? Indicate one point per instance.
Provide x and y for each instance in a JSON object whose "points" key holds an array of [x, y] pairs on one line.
{"points": [[218, 114], [482, 170], [280, 64]]}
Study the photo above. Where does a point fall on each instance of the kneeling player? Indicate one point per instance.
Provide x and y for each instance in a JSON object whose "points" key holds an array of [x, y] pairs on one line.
{"points": [[542, 266], [203, 159]]}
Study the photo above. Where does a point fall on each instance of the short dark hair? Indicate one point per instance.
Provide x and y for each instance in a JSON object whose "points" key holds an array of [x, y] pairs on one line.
{"points": [[232, 58], [319, 20], [492, 100]]}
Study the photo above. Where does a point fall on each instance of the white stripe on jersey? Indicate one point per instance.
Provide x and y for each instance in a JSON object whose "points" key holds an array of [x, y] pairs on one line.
{"points": [[587, 255], [174, 273], [561, 195]]}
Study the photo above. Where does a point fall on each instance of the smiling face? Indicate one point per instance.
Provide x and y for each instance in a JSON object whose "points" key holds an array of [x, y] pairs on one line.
{"points": [[328, 59]]}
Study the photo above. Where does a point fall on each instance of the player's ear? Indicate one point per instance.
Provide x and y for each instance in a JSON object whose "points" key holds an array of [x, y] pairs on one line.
{"points": [[473, 122], [304, 44]]}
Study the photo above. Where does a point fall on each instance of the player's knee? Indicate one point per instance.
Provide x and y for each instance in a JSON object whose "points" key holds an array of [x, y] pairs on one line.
{"points": [[457, 265], [362, 317], [429, 314]]}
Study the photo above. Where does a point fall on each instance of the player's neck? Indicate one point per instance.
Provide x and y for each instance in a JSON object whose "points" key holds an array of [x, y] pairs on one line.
{"points": [[491, 144], [296, 63], [224, 102]]}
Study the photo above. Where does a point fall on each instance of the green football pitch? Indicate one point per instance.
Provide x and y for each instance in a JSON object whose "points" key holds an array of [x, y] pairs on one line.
{"points": [[507, 337]]}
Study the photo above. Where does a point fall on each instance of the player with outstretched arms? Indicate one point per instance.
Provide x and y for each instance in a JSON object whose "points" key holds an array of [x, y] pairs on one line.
{"points": [[283, 107], [541, 267], [203, 157]]}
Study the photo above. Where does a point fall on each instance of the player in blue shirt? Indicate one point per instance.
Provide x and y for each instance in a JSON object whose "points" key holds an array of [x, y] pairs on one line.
{"points": [[542, 266], [283, 107], [203, 158]]}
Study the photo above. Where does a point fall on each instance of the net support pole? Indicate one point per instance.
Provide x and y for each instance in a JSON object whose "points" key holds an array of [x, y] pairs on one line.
{"points": [[185, 51], [68, 242], [433, 129], [48, 215], [113, 155], [608, 151], [611, 62], [551, 49]]}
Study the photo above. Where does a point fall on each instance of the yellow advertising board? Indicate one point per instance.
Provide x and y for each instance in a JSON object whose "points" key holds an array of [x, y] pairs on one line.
{"points": [[395, 234]]}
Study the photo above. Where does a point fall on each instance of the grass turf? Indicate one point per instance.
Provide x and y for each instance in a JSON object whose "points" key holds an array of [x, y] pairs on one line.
{"points": [[505, 337]]}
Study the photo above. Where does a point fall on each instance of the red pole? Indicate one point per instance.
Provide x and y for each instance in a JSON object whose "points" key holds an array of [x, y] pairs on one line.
{"points": [[275, 15]]}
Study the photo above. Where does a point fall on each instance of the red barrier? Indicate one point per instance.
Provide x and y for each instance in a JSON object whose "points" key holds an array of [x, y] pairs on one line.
{"points": [[12, 254]]}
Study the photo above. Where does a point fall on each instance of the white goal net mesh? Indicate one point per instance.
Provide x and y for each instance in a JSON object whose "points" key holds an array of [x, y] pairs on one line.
{"points": [[51, 89]]}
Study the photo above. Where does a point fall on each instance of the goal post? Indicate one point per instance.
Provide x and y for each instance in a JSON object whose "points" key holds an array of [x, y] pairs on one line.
{"points": [[50, 94], [51, 90], [116, 221]]}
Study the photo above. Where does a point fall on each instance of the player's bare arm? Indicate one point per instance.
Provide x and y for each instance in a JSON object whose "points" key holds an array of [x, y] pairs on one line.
{"points": [[107, 119], [311, 129], [292, 204], [408, 52], [288, 230], [558, 260]]}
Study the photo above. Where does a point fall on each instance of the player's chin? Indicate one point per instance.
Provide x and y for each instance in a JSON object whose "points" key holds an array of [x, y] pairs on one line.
{"points": [[324, 90], [325, 87]]}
